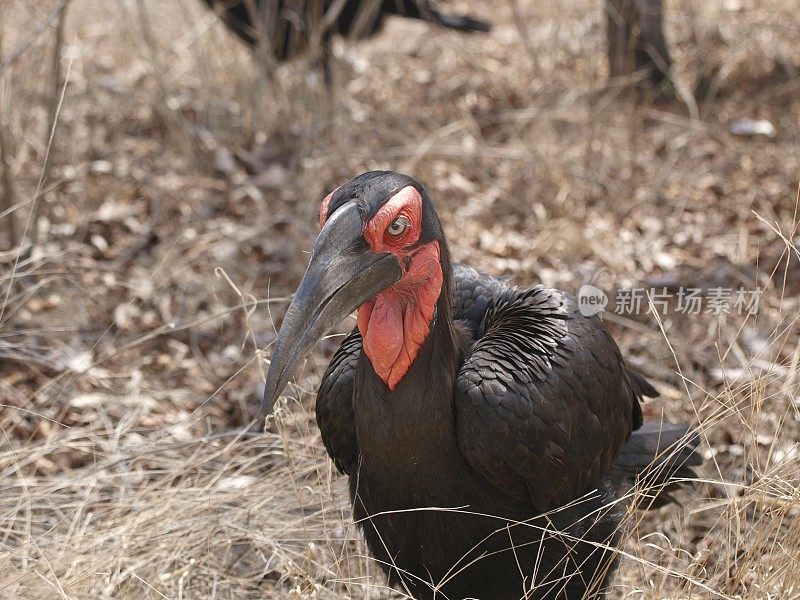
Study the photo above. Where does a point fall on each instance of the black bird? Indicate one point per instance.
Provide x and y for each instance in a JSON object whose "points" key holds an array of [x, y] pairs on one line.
{"points": [[290, 24], [487, 429]]}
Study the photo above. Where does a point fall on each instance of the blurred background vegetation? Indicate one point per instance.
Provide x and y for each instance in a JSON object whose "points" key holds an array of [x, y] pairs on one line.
{"points": [[158, 193]]}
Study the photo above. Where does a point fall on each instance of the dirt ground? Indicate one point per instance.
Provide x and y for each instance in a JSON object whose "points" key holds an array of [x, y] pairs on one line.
{"points": [[176, 206]]}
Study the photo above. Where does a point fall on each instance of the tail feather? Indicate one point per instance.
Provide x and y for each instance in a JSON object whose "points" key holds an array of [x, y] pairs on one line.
{"points": [[643, 387], [657, 454], [460, 22]]}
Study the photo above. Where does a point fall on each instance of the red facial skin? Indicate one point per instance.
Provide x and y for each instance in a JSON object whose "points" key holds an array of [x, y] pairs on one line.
{"points": [[323, 210], [395, 324]]}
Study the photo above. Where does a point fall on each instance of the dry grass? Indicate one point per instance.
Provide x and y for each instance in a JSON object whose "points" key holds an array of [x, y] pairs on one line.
{"points": [[180, 199]]}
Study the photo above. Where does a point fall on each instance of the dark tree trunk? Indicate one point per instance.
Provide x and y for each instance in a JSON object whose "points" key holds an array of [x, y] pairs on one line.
{"points": [[636, 39]]}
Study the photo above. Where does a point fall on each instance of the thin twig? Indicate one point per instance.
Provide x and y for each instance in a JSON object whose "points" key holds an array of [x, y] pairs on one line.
{"points": [[55, 100], [6, 182]]}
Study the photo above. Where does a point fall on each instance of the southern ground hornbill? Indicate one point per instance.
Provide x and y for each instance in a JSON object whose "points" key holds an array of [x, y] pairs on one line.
{"points": [[290, 24], [487, 429]]}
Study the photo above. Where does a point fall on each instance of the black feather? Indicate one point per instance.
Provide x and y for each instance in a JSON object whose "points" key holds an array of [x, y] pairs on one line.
{"points": [[657, 457]]}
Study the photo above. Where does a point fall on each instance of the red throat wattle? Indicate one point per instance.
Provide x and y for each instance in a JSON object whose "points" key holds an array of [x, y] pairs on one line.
{"points": [[396, 323]]}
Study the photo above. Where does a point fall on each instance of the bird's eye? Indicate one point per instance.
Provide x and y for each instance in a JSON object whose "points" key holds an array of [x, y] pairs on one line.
{"points": [[398, 226]]}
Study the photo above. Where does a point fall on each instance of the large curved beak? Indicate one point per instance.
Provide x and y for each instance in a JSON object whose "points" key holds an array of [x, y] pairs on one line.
{"points": [[342, 275]]}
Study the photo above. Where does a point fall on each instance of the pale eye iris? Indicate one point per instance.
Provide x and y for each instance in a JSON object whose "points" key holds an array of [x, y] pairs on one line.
{"points": [[398, 226]]}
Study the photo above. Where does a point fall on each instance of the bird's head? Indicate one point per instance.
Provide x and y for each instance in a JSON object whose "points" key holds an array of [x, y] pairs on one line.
{"points": [[380, 250]]}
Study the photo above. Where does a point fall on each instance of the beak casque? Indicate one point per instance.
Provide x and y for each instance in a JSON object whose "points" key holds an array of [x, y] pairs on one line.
{"points": [[342, 275]]}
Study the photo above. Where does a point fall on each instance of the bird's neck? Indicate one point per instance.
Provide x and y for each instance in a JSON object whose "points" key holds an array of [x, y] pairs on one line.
{"points": [[409, 432], [396, 323], [434, 364]]}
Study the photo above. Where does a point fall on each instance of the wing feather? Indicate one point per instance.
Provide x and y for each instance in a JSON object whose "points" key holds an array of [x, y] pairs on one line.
{"points": [[544, 402], [335, 404]]}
